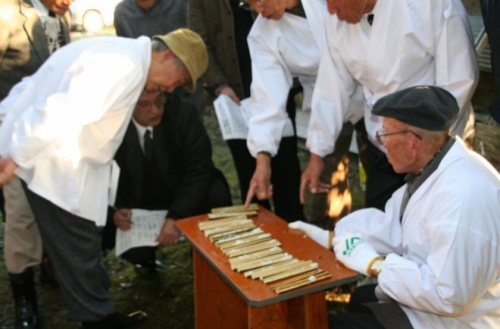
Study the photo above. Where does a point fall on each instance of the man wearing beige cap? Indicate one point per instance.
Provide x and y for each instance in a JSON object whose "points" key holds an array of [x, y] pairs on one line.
{"points": [[62, 130]]}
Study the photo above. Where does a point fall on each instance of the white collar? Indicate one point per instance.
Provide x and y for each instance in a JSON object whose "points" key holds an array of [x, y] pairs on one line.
{"points": [[141, 130], [43, 12]]}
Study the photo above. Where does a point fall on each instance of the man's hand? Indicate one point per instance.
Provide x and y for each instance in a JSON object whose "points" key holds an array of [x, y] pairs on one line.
{"points": [[310, 178], [229, 92], [123, 219], [272, 9], [350, 11], [353, 252], [260, 182], [7, 169], [322, 237], [169, 234]]}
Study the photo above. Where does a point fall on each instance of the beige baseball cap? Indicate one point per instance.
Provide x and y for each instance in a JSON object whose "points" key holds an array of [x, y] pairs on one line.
{"points": [[189, 47]]}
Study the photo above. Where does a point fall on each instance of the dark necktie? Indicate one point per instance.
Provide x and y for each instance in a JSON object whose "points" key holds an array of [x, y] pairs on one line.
{"points": [[148, 145], [370, 18]]}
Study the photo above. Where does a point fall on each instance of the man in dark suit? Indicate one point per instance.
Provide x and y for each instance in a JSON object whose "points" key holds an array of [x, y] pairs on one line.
{"points": [[165, 162], [30, 31]]}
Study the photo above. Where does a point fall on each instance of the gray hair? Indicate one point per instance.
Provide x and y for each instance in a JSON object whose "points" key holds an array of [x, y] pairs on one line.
{"points": [[158, 46], [430, 136]]}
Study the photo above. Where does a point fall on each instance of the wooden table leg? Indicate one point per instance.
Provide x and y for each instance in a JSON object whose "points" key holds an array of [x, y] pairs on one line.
{"points": [[306, 312], [218, 305]]}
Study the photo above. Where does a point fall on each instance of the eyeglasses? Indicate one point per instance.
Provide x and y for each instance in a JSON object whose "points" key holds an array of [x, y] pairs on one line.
{"points": [[245, 6], [380, 135], [158, 103]]}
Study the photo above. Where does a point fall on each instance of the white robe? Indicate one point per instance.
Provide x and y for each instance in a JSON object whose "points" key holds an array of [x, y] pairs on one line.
{"points": [[281, 50], [443, 261], [65, 122], [411, 42]]}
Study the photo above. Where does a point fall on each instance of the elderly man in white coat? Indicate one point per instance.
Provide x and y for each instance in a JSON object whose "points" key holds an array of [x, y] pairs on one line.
{"points": [[435, 247], [62, 129], [387, 45], [283, 45]]}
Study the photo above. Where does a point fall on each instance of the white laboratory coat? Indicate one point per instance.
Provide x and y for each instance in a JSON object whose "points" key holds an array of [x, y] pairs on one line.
{"points": [[65, 122], [443, 262], [281, 50], [411, 42]]}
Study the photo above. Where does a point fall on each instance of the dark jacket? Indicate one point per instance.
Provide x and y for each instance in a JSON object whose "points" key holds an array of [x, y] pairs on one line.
{"points": [[183, 154], [23, 47], [131, 21], [213, 21]]}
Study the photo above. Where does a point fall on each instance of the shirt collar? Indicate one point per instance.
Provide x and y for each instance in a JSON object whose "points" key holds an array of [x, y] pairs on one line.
{"points": [[141, 130], [43, 12], [415, 180]]}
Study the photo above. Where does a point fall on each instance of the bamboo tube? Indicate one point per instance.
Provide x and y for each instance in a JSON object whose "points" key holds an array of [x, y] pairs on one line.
{"points": [[265, 261], [255, 255], [253, 248]]}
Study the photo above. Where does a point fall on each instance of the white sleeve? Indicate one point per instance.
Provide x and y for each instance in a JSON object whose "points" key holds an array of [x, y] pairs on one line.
{"points": [[271, 82], [455, 59], [9, 101], [462, 261], [380, 229], [69, 122], [332, 92]]}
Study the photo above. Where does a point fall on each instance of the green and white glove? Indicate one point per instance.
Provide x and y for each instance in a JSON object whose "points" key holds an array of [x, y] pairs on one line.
{"points": [[319, 235], [353, 252]]}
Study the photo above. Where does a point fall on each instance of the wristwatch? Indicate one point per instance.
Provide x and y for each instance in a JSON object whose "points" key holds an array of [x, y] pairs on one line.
{"points": [[375, 266]]}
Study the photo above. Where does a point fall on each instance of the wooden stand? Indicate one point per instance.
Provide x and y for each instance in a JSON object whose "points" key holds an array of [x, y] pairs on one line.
{"points": [[226, 299]]}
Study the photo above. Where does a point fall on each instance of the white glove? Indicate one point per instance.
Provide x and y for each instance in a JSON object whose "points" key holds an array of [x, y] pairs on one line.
{"points": [[319, 235], [353, 252]]}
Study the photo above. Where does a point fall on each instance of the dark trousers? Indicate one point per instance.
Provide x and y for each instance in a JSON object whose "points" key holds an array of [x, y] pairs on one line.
{"points": [[365, 312], [285, 169], [325, 210], [2, 205], [218, 195], [244, 163], [286, 181], [381, 180], [285, 177], [358, 316], [73, 245], [491, 16]]}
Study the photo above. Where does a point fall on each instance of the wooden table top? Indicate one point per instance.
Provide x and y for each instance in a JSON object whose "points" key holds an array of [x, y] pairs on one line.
{"points": [[294, 242]]}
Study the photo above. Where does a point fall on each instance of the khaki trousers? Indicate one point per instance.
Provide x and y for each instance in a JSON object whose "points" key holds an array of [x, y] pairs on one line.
{"points": [[23, 243]]}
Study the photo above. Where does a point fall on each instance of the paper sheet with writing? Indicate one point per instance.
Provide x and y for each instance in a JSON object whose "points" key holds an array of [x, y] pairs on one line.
{"points": [[233, 118], [146, 226]]}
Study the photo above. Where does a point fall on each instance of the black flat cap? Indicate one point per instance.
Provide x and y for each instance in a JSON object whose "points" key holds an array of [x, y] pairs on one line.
{"points": [[427, 107]]}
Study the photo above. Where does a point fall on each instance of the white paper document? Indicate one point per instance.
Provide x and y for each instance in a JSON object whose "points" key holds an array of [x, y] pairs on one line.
{"points": [[233, 118], [146, 226]]}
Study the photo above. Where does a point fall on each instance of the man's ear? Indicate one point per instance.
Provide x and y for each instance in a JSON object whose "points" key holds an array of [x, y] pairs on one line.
{"points": [[416, 144], [168, 54]]}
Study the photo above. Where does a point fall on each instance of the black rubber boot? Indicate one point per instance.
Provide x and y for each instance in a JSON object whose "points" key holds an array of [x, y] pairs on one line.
{"points": [[26, 308]]}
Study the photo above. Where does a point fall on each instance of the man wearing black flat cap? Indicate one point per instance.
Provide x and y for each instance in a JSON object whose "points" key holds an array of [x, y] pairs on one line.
{"points": [[435, 248]]}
